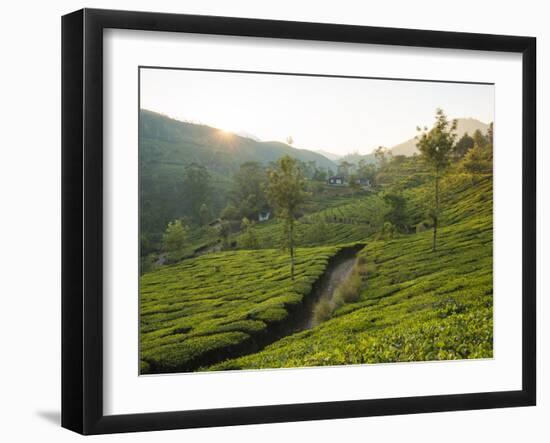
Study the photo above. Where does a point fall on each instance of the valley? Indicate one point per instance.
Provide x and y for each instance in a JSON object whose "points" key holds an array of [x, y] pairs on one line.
{"points": [[231, 281]]}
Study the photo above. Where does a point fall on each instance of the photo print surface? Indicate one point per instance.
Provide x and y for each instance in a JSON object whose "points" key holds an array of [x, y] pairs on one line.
{"points": [[293, 220]]}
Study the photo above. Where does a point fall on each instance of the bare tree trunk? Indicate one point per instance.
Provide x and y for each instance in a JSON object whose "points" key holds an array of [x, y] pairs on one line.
{"points": [[436, 212]]}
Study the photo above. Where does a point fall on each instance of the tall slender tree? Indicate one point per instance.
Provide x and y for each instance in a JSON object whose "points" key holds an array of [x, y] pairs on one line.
{"points": [[286, 193], [436, 147], [344, 168]]}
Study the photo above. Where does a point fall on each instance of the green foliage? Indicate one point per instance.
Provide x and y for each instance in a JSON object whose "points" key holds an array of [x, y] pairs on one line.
{"points": [[478, 161], [248, 187], [248, 239], [204, 214], [320, 175], [463, 145], [348, 291], [219, 300], [398, 303], [285, 188], [412, 306], [323, 311], [174, 237], [397, 214], [328, 220], [344, 168], [196, 187], [388, 231], [481, 140], [230, 212], [366, 170], [221, 232], [166, 146], [436, 147], [317, 233], [286, 193], [382, 155]]}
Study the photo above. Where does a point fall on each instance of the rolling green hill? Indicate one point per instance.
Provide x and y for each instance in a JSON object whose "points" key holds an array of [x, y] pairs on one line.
{"points": [[167, 141], [370, 285], [166, 146], [413, 304], [200, 309]]}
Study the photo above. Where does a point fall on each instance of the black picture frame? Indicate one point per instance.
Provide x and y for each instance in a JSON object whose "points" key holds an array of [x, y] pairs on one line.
{"points": [[82, 218]]}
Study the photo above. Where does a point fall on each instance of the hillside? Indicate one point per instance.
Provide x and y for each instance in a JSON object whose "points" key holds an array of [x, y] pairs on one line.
{"points": [[165, 140], [211, 306], [464, 125], [413, 305], [356, 157], [329, 155], [234, 309], [167, 146]]}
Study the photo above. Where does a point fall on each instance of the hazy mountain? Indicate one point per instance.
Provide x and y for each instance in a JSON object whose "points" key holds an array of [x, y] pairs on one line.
{"points": [[165, 140], [356, 157], [248, 135], [167, 146], [329, 155], [469, 125]]}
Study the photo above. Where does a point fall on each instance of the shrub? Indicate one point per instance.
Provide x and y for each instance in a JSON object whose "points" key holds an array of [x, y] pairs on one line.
{"points": [[322, 311], [219, 300], [348, 291], [388, 231]]}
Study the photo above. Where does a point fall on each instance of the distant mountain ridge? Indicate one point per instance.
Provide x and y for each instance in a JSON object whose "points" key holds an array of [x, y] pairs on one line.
{"points": [[464, 125], [408, 147], [168, 146], [329, 155], [166, 140]]}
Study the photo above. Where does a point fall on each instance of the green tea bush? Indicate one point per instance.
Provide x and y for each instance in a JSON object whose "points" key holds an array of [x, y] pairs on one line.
{"points": [[348, 291], [219, 301], [402, 302], [322, 311], [413, 304]]}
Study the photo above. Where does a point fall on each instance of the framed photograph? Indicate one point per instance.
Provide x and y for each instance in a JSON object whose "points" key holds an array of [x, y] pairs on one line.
{"points": [[268, 221]]}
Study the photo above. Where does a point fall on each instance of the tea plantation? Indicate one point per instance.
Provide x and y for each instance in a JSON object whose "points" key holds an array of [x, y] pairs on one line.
{"points": [[207, 307], [394, 299], [339, 220], [414, 304]]}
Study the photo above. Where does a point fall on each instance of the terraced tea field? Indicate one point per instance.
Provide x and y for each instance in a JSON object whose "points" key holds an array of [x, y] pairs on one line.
{"points": [[207, 308], [342, 220], [240, 309], [368, 210], [415, 305]]}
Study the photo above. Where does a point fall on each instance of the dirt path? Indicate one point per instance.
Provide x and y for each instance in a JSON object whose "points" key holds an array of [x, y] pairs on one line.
{"points": [[338, 274]]}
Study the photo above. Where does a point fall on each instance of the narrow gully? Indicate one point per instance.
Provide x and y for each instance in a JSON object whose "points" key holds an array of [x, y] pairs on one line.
{"points": [[300, 317]]}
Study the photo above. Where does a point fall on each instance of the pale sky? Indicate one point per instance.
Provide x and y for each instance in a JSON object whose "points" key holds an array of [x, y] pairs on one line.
{"points": [[337, 115]]}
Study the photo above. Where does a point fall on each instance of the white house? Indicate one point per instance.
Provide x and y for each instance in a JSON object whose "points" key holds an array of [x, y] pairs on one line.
{"points": [[264, 216]]}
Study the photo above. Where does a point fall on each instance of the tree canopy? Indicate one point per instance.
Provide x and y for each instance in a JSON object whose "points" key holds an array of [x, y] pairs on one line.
{"points": [[174, 236], [286, 193], [436, 147]]}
